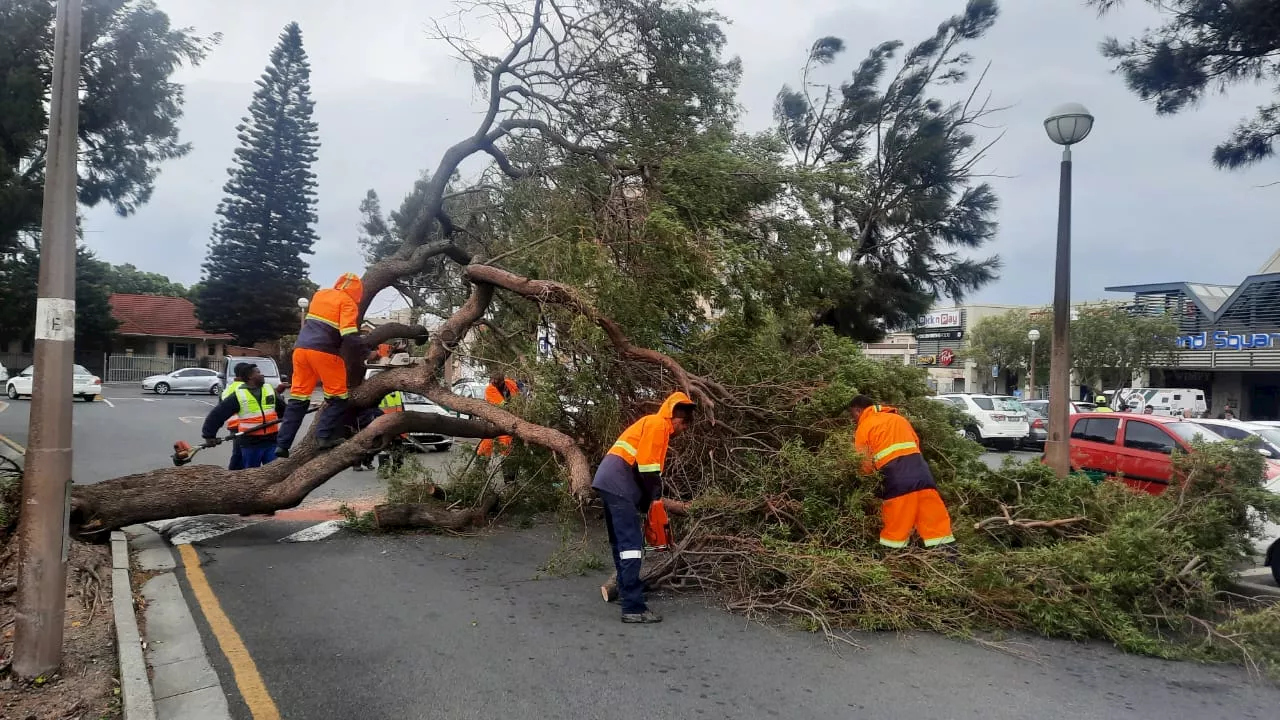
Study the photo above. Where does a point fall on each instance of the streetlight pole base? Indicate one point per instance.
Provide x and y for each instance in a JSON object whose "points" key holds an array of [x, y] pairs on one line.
{"points": [[1057, 455]]}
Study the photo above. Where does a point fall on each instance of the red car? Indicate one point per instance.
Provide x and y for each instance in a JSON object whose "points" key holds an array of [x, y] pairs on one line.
{"points": [[1135, 447]]}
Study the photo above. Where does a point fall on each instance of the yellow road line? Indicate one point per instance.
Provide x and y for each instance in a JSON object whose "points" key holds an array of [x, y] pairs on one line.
{"points": [[252, 688], [12, 444]]}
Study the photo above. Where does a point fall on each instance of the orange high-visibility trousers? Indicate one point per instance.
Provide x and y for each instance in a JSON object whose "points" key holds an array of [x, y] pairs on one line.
{"points": [[922, 511], [313, 366], [502, 443]]}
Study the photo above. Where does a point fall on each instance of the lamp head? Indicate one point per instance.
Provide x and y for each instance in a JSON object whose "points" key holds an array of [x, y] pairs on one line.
{"points": [[1033, 335], [303, 303], [1069, 124]]}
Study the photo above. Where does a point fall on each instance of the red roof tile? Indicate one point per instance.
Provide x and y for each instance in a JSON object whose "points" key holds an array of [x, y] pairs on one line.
{"points": [[158, 316]]}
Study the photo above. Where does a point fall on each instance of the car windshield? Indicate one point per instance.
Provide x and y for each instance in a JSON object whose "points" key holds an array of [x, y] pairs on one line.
{"points": [[1271, 435], [80, 370], [1008, 404], [1190, 431], [416, 399]]}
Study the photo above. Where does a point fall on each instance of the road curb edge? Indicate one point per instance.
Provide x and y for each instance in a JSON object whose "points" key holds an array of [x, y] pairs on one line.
{"points": [[135, 685]]}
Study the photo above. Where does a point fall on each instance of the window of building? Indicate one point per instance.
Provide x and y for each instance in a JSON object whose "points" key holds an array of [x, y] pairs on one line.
{"points": [[182, 350], [1145, 436], [1099, 430]]}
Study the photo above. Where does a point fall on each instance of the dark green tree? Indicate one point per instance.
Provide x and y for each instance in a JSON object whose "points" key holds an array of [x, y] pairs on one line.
{"points": [[129, 107], [95, 325], [254, 272], [127, 278], [893, 178], [1206, 46]]}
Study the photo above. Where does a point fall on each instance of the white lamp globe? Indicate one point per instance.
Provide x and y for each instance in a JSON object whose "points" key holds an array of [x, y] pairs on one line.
{"points": [[303, 303], [1033, 335], [1069, 124]]}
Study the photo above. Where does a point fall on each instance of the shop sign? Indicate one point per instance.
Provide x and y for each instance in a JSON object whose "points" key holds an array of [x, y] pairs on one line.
{"points": [[940, 335], [926, 359], [941, 319], [947, 357], [1223, 340]]}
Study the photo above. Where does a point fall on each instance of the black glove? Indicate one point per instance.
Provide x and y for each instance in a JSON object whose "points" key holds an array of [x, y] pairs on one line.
{"points": [[211, 442]]}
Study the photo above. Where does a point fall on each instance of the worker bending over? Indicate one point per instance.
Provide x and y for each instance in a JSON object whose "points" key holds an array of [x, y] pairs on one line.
{"points": [[253, 405], [329, 333], [628, 479], [911, 501]]}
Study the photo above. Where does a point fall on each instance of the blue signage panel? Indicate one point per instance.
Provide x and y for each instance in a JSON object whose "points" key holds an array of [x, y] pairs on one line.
{"points": [[1223, 340]]}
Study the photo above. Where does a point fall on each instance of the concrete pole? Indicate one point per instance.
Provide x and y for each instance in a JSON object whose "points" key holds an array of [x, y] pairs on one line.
{"points": [[42, 528], [1057, 448], [1031, 388]]}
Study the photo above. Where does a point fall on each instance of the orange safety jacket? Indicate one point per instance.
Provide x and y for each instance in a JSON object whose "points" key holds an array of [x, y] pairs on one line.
{"points": [[890, 445], [334, 314], [495, 396], [643, 445]]}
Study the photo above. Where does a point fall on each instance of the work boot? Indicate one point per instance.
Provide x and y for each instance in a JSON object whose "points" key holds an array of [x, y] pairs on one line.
{"points": [[328, 443], [282, 454], [647, 617]]}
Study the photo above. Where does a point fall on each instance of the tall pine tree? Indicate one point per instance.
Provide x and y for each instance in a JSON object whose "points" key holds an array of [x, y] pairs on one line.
{"points": [[255, 273]]}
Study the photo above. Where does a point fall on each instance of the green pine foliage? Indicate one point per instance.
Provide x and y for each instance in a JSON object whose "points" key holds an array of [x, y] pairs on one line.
{"points": [[255, 270], [129, 107]]}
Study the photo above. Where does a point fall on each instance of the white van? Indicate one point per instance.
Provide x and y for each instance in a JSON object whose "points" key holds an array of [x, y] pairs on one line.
{"points": [[1166, 401]]}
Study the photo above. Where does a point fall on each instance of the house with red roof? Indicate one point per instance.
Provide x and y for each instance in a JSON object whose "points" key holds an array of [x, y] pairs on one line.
{"points": [[157, 325]]}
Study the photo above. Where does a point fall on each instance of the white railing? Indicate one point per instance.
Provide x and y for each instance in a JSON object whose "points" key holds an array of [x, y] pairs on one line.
{"points": [[136, 368]]}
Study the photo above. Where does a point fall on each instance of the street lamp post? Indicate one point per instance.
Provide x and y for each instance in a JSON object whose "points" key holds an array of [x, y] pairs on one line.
{"points": [[1066, 126], [303, 303], [1033, 335]]}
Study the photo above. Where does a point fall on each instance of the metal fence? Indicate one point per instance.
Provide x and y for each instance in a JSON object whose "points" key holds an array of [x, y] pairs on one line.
{"points": [[136, 368], [17, 362]]}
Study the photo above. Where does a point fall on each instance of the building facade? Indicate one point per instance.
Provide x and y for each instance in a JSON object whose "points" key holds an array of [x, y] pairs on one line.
{"points": [[1228, 342]]}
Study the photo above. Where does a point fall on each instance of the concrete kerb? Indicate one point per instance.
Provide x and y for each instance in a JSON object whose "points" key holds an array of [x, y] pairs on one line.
{"points": [[135, 686], [1253, 583], [184, 683]]}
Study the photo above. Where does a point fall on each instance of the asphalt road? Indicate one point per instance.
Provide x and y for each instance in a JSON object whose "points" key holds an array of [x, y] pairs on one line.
{"points": [[409, 627]]}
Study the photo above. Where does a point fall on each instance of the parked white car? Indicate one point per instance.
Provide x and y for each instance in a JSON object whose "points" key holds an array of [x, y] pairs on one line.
{"points": [[186, 380], [85, 385], [4, 373], [998, 420]]}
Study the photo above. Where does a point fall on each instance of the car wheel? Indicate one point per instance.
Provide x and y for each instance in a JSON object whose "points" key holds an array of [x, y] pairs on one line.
{"points": [[215, 389], [162, 388], [87, 398], [442, 447], [12, 392], [972, 434]]}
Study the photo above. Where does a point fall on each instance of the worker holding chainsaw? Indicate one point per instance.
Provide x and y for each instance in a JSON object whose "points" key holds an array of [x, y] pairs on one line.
{"points": [[890, 446], [628, 480], [330, 332], [253, 405]]}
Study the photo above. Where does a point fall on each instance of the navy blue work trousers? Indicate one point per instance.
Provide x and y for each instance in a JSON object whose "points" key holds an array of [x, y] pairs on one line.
{"points": [[627, 540]]}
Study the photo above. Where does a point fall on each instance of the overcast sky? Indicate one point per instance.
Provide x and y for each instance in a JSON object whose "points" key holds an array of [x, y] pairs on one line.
{"points": [[1149, 206]]}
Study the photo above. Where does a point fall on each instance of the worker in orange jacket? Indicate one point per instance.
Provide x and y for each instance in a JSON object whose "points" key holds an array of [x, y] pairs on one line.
{"points": [[629, 479], [911, 501], [330, 332], [499, 390]]}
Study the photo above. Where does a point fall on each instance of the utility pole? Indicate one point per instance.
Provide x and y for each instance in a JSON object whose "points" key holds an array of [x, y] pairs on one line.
{"points": [[42, 527]]}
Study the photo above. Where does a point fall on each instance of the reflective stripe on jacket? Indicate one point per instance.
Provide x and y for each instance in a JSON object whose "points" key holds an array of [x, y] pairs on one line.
{"points": [[890, 445], [234, 423], [644, 444], [252, 413], [392, 402], [333, 314]]}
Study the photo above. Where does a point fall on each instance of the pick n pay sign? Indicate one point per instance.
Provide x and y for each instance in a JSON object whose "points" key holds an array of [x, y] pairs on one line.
{"points": [[1223, 340]]}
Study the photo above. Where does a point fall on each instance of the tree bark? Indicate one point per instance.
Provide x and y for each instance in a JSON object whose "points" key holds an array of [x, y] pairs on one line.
{"points": [[206, 489], [418, 515]]}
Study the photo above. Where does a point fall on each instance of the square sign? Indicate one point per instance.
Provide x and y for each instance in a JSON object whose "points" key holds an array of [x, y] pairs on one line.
{"points": [[995, 371]]}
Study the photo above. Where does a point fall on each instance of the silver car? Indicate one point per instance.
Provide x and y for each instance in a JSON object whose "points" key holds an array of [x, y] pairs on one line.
{"points": [[186, 380]]}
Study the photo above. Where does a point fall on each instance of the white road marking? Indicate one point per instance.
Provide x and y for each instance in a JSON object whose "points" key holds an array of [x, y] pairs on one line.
{"points": [[204, 527], [188, 419], [108, 402], [206, 402], [315, 532], [3, 406]]}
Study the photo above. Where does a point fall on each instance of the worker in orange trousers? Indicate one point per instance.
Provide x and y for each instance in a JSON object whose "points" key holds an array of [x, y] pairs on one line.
{"points": [[890, 446]]}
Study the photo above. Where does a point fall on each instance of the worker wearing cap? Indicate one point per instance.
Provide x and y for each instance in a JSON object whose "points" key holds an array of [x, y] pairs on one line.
{"points": [[629, 479], [890, 446], [253, 404], [330, 332]]}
